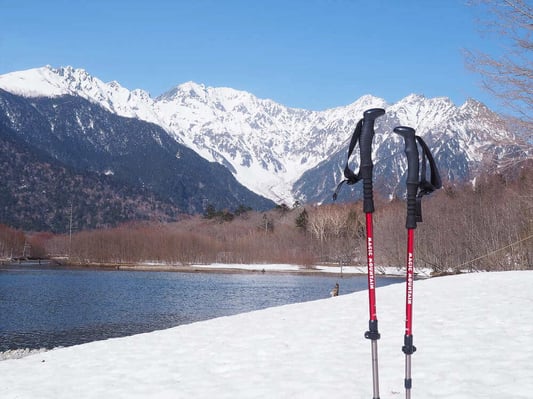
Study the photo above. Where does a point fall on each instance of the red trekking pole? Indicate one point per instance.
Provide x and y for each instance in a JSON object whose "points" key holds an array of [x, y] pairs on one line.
{"points": [[365, 172], [364, 133], [416, 188]]}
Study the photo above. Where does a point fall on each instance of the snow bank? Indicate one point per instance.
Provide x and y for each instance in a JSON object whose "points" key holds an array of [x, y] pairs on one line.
{"points": [[473, 332], [251, 267]]}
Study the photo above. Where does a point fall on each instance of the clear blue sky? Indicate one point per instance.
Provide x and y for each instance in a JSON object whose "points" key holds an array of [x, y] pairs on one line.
{"points": [[313, 54]]}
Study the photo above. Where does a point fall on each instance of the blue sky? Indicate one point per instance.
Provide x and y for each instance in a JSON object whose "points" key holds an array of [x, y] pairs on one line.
{"points": [[313, 54]]}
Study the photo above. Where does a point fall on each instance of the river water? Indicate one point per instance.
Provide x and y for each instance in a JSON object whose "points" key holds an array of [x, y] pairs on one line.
{"points": [[47, 307]]}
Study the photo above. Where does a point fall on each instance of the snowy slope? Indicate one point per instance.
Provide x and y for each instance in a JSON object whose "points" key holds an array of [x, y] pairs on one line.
{"points": [[54, 82], [473, 334], [266, 145]]}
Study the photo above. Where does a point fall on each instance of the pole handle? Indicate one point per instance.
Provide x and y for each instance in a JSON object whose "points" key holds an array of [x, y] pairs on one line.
{"points": [[411, 151], [365, 146]]}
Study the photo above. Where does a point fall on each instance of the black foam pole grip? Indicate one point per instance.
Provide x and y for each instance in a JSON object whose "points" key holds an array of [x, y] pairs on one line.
{"points": [[411, 151], [365, 145]]}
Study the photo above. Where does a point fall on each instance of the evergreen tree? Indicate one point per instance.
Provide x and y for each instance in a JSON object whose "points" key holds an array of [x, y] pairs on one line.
{"points": [[302, 220]]}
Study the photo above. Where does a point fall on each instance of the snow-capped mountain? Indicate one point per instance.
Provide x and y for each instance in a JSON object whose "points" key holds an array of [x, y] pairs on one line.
{"points": [[280, 152]]}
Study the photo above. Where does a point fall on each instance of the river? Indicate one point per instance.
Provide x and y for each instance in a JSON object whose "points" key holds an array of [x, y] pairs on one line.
{"points": [[47, 307]]}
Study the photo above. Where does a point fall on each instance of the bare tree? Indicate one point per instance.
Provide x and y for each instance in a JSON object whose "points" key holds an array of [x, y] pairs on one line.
{"points": [[509, 75], [337, 229]]}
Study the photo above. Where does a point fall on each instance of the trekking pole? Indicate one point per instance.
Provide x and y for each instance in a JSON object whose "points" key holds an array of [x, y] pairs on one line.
{"points": [[416, 188], [364, 133], [365, 171]]}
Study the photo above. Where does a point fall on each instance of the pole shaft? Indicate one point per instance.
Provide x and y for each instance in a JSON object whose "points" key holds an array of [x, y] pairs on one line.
{"points": [[409, 283], [372, 333], [407, 376], [409, 286], [370, 267], [375, 373]]}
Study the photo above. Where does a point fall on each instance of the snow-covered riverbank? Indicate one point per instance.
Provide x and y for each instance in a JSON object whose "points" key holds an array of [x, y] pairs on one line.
{"points": [[273, 268], [474, 334]]}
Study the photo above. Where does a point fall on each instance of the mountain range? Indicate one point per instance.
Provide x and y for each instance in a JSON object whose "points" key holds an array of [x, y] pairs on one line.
{"points": [[195, 145]]}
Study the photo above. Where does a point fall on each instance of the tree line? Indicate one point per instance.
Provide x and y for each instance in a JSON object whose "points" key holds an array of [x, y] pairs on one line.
{"points": [[487, 225]]}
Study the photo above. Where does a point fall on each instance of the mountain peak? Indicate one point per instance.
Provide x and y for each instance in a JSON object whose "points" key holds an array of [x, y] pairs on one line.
{"points": [[48, 81], [190, 85], [189, 88], [475, 105], [35, 82], [369, 101], [414, 97], [69, 72]]}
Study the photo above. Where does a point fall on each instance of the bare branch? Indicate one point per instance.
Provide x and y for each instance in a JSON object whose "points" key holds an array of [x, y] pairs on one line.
{"points": [[509, 77]]}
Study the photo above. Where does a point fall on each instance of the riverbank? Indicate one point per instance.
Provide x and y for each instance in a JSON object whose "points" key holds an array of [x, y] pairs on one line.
{"points": [[327, 270], [311, 350]]}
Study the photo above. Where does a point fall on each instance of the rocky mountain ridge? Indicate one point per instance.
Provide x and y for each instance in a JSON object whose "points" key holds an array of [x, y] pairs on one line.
{"points": [[283, 153]]}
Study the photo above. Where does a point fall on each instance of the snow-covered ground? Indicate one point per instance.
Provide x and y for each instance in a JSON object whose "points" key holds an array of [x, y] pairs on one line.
{"points": [[474, 334], [251, 267], [346, 270]]}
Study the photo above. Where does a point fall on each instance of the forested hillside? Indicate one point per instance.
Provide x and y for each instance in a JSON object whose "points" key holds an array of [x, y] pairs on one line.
{"points": [[37, 192]]}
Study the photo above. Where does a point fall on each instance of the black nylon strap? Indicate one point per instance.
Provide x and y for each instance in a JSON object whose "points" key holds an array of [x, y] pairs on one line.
{"points": [[350, 177], [426, 187], [435, 181]]}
